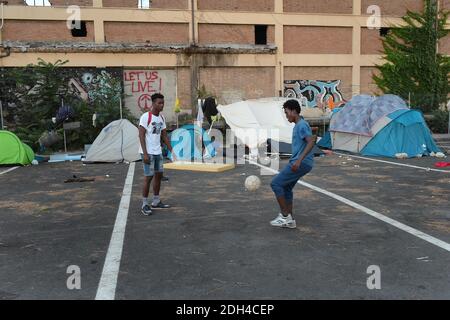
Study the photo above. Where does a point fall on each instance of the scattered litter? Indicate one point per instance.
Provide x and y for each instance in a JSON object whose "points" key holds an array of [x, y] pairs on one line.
{"points": [[340, 156], [442, 164], [401, 156], [344, 162], [349, 159], [76, 179], [34, 162], [428, 169], [107, 175], [243, 174], [423, 258], [440, 155], [419, 156], [433, 154], [357, 166]]}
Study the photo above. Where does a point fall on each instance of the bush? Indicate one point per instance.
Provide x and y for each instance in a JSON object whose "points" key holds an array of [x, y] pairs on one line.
{"points": [[438, 123]]}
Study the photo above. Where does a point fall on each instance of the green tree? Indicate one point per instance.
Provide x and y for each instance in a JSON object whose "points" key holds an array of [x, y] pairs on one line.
{"points": [[414, 68], [39, 91]]}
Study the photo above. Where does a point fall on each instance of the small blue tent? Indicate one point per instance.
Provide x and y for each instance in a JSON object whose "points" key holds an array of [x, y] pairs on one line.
{"points": [[406, 133], [188, 143]]}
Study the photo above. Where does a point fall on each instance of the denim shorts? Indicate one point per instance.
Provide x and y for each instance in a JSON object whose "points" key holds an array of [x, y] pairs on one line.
{"points": [[283, 184], [156, 165]]}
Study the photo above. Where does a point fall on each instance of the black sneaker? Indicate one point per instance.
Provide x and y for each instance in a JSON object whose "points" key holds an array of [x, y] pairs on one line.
{"points": [[146, 211], [164, 178], [161, 205]]}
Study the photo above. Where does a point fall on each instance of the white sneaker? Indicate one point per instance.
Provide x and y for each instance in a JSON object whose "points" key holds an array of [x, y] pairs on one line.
{"points": [[284, 222]]}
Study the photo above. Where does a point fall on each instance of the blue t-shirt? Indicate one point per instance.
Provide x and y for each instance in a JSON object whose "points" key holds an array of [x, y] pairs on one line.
{"points": [[299, 134]]}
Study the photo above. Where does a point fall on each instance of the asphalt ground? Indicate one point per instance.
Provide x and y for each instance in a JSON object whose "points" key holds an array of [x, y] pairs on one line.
{"points": [[216, 241]]}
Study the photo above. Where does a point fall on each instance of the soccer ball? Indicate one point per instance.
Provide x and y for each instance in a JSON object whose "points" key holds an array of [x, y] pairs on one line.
{"points": [[252, 183]]}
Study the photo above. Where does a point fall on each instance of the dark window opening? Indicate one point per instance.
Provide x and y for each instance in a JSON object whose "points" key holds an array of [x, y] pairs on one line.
{"points": [[384, 32], [260, 34], [79, 30]]}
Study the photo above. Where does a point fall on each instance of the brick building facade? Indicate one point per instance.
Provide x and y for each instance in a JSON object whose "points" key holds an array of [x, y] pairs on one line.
{"points": [[237, 49]]}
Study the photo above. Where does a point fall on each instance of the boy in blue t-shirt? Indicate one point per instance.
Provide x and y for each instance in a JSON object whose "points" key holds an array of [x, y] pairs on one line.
{"points": [[300, 164]]}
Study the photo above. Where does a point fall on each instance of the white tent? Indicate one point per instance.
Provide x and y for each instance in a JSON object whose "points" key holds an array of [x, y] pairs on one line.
{"points": [[265, 117], [118, 141]]}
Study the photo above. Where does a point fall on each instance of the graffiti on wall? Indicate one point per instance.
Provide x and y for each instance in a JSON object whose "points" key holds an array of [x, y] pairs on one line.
{"points": [[315, 93], [140, 85], [91, 84]]}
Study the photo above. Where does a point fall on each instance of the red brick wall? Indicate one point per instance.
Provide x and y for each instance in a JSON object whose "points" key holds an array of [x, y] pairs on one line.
{"points": [[241, 34], [237, 5], [396, 8], [184, 87], [321, 40], [319, 6], [81, 3], [368, 86], [371, 41], [157, 33], [236, 83], [120, 3], [170, 4], [444, 45], [16, 2], [34, 30]]}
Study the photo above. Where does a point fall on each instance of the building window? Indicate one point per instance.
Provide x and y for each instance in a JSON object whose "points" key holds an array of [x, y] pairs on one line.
{"points": [[81, 31], [261, 34], [144, 4], [42, 3], [384, 31]]}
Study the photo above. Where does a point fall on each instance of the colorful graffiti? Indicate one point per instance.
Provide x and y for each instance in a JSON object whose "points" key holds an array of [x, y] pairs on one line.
{"points": [[93, 84], [315, 93]]}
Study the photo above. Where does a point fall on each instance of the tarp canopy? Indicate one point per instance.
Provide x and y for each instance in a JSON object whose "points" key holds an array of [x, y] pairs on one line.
{"points": [[265, 116], [13, 151], [118, 141]]}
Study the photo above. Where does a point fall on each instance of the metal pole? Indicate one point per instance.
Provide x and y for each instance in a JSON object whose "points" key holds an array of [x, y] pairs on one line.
{"points": [[193, 22], [1, 114], [120, 102], [65, 141]]}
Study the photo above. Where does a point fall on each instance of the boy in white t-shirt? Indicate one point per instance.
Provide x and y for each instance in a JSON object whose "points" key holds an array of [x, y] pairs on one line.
{"points": [[152, 128]]}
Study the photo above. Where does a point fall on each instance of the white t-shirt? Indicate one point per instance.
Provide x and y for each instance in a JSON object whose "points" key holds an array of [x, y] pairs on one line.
{"points": [[153, 135]]}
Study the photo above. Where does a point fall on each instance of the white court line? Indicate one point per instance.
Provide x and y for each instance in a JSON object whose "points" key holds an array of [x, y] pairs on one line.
{"points": [[108, 282], [439, 243], [394, 163], [9, 170]]}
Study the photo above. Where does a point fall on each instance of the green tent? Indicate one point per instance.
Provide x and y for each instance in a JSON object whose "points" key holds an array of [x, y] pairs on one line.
{"points": [[13, 151]]}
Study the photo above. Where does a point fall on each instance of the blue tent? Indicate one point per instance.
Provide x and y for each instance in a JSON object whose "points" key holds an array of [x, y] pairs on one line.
{"points": [[382, 126], [406, 133], [188, 143]]}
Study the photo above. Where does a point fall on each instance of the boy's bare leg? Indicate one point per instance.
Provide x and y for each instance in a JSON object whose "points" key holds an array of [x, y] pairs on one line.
{"points": [[283, 206], [146, 188], [157, 183]]}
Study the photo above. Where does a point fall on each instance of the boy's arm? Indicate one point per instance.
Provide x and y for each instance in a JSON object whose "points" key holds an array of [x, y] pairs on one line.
{"points": [[142, 133], [311, 143], [166, 141]]}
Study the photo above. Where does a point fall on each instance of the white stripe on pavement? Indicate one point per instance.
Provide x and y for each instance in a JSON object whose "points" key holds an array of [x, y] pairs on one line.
{"points": [[108, 282], [439, 243], [394, 163], [9, 170]]}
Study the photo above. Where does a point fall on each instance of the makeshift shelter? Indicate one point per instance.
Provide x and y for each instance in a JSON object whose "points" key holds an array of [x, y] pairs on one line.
{"points": [[13, 151], [259, 122], [118, 141], [382, 126]]}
